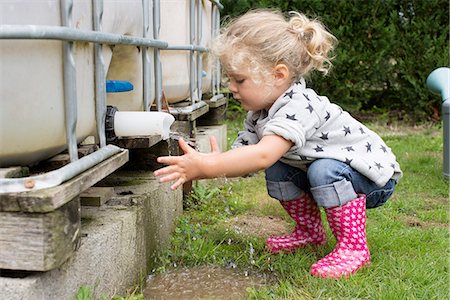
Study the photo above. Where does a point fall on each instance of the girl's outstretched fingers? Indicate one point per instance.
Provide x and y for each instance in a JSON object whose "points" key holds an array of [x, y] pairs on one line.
{"points": [[214, 145], [185, 146], [178, 183], [170, 173], [167, 174], [176, 169]]}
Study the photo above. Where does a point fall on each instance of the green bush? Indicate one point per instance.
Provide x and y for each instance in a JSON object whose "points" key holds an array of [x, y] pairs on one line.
{"points": [[386, 50]]}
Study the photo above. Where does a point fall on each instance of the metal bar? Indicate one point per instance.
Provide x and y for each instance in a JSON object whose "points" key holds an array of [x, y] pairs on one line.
{"points": [[56, 177], [217, 3], [199, 22], [70, 34], [33, 32], [100, 76], [157, 55], [217, 68], [446, 136], [146, 62], [70, 84], [213, 31], [438, 81], [191, 56], [187, 47]]}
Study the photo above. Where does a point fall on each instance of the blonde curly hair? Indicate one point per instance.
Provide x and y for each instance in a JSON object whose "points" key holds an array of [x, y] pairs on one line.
{"points": [[261, 39]]}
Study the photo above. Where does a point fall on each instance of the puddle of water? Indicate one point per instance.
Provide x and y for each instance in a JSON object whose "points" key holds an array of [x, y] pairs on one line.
{"points": [[203, 283]]}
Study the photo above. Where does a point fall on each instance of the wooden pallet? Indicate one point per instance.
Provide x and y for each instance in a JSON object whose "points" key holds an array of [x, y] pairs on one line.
{"points": [[39, 230]]}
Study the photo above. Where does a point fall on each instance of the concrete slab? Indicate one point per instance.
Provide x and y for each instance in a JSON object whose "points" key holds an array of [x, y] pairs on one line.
{"points": [[119, 243], [204, 132]]}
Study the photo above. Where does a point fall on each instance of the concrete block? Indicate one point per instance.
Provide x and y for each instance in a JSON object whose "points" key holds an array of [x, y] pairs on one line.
{"points": [[204, 132], [119, 242], [96, 196]]}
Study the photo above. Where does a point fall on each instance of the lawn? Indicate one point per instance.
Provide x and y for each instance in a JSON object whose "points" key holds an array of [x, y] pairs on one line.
{"points": [[226, 221]]}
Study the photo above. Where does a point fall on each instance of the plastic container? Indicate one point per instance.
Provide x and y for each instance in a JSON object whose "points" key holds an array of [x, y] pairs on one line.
{"points": [[32, 125]]}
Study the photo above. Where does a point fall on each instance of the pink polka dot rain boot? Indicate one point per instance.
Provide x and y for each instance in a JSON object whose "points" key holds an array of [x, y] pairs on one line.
{"points": [[348, 224], [309, 228]]}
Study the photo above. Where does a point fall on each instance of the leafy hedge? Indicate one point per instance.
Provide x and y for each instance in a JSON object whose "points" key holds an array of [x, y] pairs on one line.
{"points": [[386, 50]]}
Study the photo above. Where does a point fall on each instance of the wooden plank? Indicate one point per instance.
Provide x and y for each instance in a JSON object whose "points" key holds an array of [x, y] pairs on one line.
{"points": [[180, 115], [138, 141], [96, 196], [146, 158], [47, 200], [216, 103], [39, 241]]}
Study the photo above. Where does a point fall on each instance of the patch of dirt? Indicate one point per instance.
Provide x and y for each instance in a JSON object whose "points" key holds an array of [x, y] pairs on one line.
{"points": [[433, 202], [260, 226], [412, 221], [388, 130]]}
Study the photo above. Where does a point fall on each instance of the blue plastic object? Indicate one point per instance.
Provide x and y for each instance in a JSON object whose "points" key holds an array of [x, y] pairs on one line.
{"points": [[118, 86], [439, 82]]}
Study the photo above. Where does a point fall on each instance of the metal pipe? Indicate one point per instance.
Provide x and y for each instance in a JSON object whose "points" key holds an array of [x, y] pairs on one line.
{"points": [[192, 70], [146, 63], [100, 76], [157, 54], [217, 69], [217, 3], [213, 31], [70, 84], [187, 47], [438, 81], [69, 34], [446, 135], [199, 22], [56, 177]]}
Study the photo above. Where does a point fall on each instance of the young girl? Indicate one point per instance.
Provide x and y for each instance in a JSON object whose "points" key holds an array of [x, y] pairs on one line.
{"points": [[314, 154]]}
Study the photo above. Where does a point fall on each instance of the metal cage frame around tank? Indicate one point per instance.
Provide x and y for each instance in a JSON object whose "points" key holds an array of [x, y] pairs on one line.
{"points": [[150, 39]]}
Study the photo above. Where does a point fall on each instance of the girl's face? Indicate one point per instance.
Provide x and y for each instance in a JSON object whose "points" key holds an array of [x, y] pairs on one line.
{"points": [[250, 94], [259, 94]]}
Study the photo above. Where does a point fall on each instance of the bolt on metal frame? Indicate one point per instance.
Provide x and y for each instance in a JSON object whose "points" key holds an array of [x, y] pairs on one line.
{"points": [[68, 35]]}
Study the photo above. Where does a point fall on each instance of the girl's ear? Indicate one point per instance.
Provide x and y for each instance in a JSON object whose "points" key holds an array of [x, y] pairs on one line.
{"points": [[281, 74]]}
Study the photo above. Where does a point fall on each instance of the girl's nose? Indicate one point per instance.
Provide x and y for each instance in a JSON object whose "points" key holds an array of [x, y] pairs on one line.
{"points": [[232, 87]]}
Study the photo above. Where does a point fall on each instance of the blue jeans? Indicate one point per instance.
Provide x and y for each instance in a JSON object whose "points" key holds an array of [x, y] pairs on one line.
{"points": [[332, 183]]}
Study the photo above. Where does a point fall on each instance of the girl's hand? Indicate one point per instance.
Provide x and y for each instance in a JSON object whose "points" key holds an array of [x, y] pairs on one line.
{"points": [[187, 167]]}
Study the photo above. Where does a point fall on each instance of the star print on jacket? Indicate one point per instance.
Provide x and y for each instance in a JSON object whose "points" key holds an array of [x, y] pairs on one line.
{"points": [[347, 130], [291, 117], [318, 148], [324, 136], [289, 94], [320, 129], [306, 97]]}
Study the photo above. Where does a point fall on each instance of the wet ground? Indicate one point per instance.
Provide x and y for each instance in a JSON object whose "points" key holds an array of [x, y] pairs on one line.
{"points": [[208, 282], [203, 283]]}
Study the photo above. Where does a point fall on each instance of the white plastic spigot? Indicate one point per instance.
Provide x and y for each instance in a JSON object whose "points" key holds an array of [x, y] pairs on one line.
{"points": [[142, 123]]}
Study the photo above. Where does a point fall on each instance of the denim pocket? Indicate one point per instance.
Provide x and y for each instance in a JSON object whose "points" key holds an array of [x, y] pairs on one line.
{"points": [[379, 197]]}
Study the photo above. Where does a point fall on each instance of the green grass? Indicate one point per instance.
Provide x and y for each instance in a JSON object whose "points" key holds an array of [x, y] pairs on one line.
{"points": [[408, 236]]}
